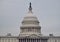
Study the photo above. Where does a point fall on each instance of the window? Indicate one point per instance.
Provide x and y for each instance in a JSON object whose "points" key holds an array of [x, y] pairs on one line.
{"points": [[29, 29]]}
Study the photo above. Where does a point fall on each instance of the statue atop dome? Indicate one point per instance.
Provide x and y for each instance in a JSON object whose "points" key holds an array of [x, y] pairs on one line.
{"points": [[30, 8]]}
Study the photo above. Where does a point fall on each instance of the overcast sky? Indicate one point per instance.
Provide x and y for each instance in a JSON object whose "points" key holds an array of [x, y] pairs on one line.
{"points": [[13, 11]]}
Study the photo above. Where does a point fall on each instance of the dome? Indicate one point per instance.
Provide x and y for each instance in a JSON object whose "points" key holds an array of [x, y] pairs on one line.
{"points": [[30, 20], [30, 16], [30, 24]]}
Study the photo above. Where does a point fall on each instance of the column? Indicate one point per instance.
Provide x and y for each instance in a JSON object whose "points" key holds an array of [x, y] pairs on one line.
{"points": [[21, 40], [33, 40], [40, 40], [30, 39], [36, 40], [26, 40]]}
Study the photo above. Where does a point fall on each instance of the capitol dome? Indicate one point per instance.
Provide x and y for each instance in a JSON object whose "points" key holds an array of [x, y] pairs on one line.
{"points": [[30, 24], [30, 19]]}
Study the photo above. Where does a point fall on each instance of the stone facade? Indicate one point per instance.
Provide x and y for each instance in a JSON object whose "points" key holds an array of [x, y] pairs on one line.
{"points": [[31, 38], [54, 39], [8, 39]]}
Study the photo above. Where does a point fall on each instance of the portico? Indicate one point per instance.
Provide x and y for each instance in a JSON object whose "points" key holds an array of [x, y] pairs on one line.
{"points": [[33, 40]]}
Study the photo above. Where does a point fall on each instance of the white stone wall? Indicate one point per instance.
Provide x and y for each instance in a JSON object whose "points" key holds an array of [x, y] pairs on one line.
{"points": [[9, 40], [53, 39]]}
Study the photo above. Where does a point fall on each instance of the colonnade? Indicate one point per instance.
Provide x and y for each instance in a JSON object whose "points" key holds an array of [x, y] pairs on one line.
{"points": [[32, 40]]}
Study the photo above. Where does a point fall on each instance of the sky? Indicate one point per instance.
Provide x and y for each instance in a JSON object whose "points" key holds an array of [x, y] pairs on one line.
{"points": [[12, 13]]}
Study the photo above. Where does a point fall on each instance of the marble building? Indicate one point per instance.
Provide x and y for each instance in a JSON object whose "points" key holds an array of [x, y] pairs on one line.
{"points": [[30, 31]]}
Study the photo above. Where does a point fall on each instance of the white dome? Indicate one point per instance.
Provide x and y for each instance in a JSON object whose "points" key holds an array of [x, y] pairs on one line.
{"points": [[30, 18], [30, 24], [30, 15]]}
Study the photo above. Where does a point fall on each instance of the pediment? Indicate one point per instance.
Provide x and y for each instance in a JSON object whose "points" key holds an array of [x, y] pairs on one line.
{"points": [[33, 36]]}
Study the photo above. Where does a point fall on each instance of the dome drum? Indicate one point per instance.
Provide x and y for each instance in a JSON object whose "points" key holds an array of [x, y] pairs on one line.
{"points": [[30, 29]]}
